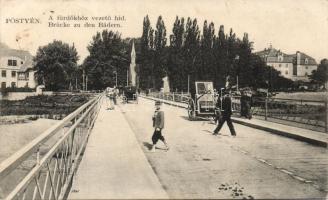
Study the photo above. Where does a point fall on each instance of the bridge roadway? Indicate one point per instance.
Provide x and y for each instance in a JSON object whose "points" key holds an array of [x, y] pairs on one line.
{"points": [[118, 164]]}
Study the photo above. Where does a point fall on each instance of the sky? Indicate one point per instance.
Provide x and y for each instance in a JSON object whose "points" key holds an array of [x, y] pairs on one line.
{"points": [[289, 25]]}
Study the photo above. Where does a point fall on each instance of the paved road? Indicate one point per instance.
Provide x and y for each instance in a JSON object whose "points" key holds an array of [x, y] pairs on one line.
{"points": [[255, 164]]}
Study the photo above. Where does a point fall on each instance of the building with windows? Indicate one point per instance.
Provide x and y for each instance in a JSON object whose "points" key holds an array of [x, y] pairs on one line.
{"points": [[296, 67], [16, 68]]}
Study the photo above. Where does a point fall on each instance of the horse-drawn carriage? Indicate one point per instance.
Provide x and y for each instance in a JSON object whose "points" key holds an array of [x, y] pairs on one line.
{"points": [[130, 94], [203, 102]]}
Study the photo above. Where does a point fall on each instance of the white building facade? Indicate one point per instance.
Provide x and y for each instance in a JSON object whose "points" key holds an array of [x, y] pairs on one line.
{"points": [[16, 69], [296, 67]]}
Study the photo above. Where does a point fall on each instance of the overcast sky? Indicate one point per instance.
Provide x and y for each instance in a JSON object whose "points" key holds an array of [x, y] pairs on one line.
{"points": [[289, 25]]}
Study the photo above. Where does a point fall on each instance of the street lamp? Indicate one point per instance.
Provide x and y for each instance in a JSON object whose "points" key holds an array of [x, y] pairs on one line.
{"points": [[236, 60], [115, 72]]}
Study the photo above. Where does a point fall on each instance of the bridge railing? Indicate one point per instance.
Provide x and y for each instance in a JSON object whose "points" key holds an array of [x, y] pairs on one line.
{"points": [[171, 96], [300, 113], [44, 168], [292, 111]]}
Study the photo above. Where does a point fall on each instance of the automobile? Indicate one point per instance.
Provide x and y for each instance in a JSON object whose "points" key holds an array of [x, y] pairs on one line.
{"points": [[203, 102], [130, 93]]}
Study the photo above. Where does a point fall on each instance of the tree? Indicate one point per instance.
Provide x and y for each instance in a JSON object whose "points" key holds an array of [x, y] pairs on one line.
{"points": [[175, 58], [159, 70], [56, 65], [191, 50], [202, 56], [320, 75], [146, 55], [108, 56]]}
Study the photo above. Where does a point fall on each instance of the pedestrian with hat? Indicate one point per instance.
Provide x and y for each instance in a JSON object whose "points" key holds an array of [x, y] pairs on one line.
{"points": [[158, 124], [226, 114]]}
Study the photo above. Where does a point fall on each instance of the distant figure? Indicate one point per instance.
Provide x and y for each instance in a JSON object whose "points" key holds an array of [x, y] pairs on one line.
{"points": [[245, 104], [218, 114], [110, 96], [115, 94], [158, 124], [226, 115]]}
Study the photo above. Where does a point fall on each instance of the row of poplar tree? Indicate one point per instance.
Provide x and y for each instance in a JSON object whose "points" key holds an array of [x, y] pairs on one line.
{"points": [[188, 53], [195, 55]]}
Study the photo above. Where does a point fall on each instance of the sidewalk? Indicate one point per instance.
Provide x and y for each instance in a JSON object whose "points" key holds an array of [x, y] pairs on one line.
{"points": [[304, 135], [113, 165]]}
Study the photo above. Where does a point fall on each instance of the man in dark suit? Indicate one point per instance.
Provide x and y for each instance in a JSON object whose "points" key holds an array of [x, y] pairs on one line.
{"points": [[158, 124], [226, 115]]}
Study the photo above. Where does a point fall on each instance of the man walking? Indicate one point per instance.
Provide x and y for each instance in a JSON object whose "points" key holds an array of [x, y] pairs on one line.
{"points": [[226, 115], [158, 124]]}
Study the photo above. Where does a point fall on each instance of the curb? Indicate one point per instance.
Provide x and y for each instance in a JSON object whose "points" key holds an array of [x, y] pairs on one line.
{"points": [[284, 133], [312, 141]]}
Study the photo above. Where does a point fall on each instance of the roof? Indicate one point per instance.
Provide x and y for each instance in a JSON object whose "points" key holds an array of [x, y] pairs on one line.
{"points": [[311, 61], [272, 55], [22, 54]]}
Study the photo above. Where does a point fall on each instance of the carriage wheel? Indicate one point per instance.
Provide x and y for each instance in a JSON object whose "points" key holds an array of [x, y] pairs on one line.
{"points": [[191, 110]]}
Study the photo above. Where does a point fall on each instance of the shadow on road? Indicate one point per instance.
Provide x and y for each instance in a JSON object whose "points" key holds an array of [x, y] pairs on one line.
{"points": [[148, 145], [195, 119]]}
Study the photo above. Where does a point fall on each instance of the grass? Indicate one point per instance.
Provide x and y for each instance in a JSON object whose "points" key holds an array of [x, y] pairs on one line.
{"points": [[311, 96]]}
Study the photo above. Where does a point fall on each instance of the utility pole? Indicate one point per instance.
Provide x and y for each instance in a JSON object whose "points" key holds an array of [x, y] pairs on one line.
{"points": [[116, 79], [86, 84], [188, 82], [237, 84], [127, 77], [83, 80]]}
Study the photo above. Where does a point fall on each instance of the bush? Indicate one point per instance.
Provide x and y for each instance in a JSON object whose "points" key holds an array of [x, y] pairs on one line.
{"points": [[11, 89], [43, 104]]}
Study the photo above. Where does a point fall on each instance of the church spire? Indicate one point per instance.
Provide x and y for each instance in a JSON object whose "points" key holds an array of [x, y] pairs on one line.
{"points": [[133, 66]]}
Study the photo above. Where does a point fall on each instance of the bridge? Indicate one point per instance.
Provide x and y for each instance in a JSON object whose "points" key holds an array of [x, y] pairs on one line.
{"points": [[96, 153]]}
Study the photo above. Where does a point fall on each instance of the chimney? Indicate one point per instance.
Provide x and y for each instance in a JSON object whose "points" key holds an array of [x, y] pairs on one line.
{"points": [[298, 58]]}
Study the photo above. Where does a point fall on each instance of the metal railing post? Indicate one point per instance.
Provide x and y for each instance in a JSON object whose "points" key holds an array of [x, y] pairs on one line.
{"points": [[266, 109], [38, 155], [326, 116]]}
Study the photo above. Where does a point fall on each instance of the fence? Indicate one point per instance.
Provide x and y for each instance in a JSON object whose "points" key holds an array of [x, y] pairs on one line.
{"points": [[310, 114], [174, 96], [44, 168]]}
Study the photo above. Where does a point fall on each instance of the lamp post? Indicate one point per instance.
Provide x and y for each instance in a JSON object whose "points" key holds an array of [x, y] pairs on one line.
{"points": [[115, 72], [127, 77], [237, 81], [188, 83]]}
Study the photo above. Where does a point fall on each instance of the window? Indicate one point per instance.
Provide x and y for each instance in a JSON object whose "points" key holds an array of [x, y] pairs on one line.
{"points": [[286, 72], [306, 67], [27, 74], [13, 84], [204, 88], [4, 73], [306, 61], [13, 74], [12, 62], [286, 65], [22, 62], [306, 74], [279, 65], [3, 85], [26, 85]]}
